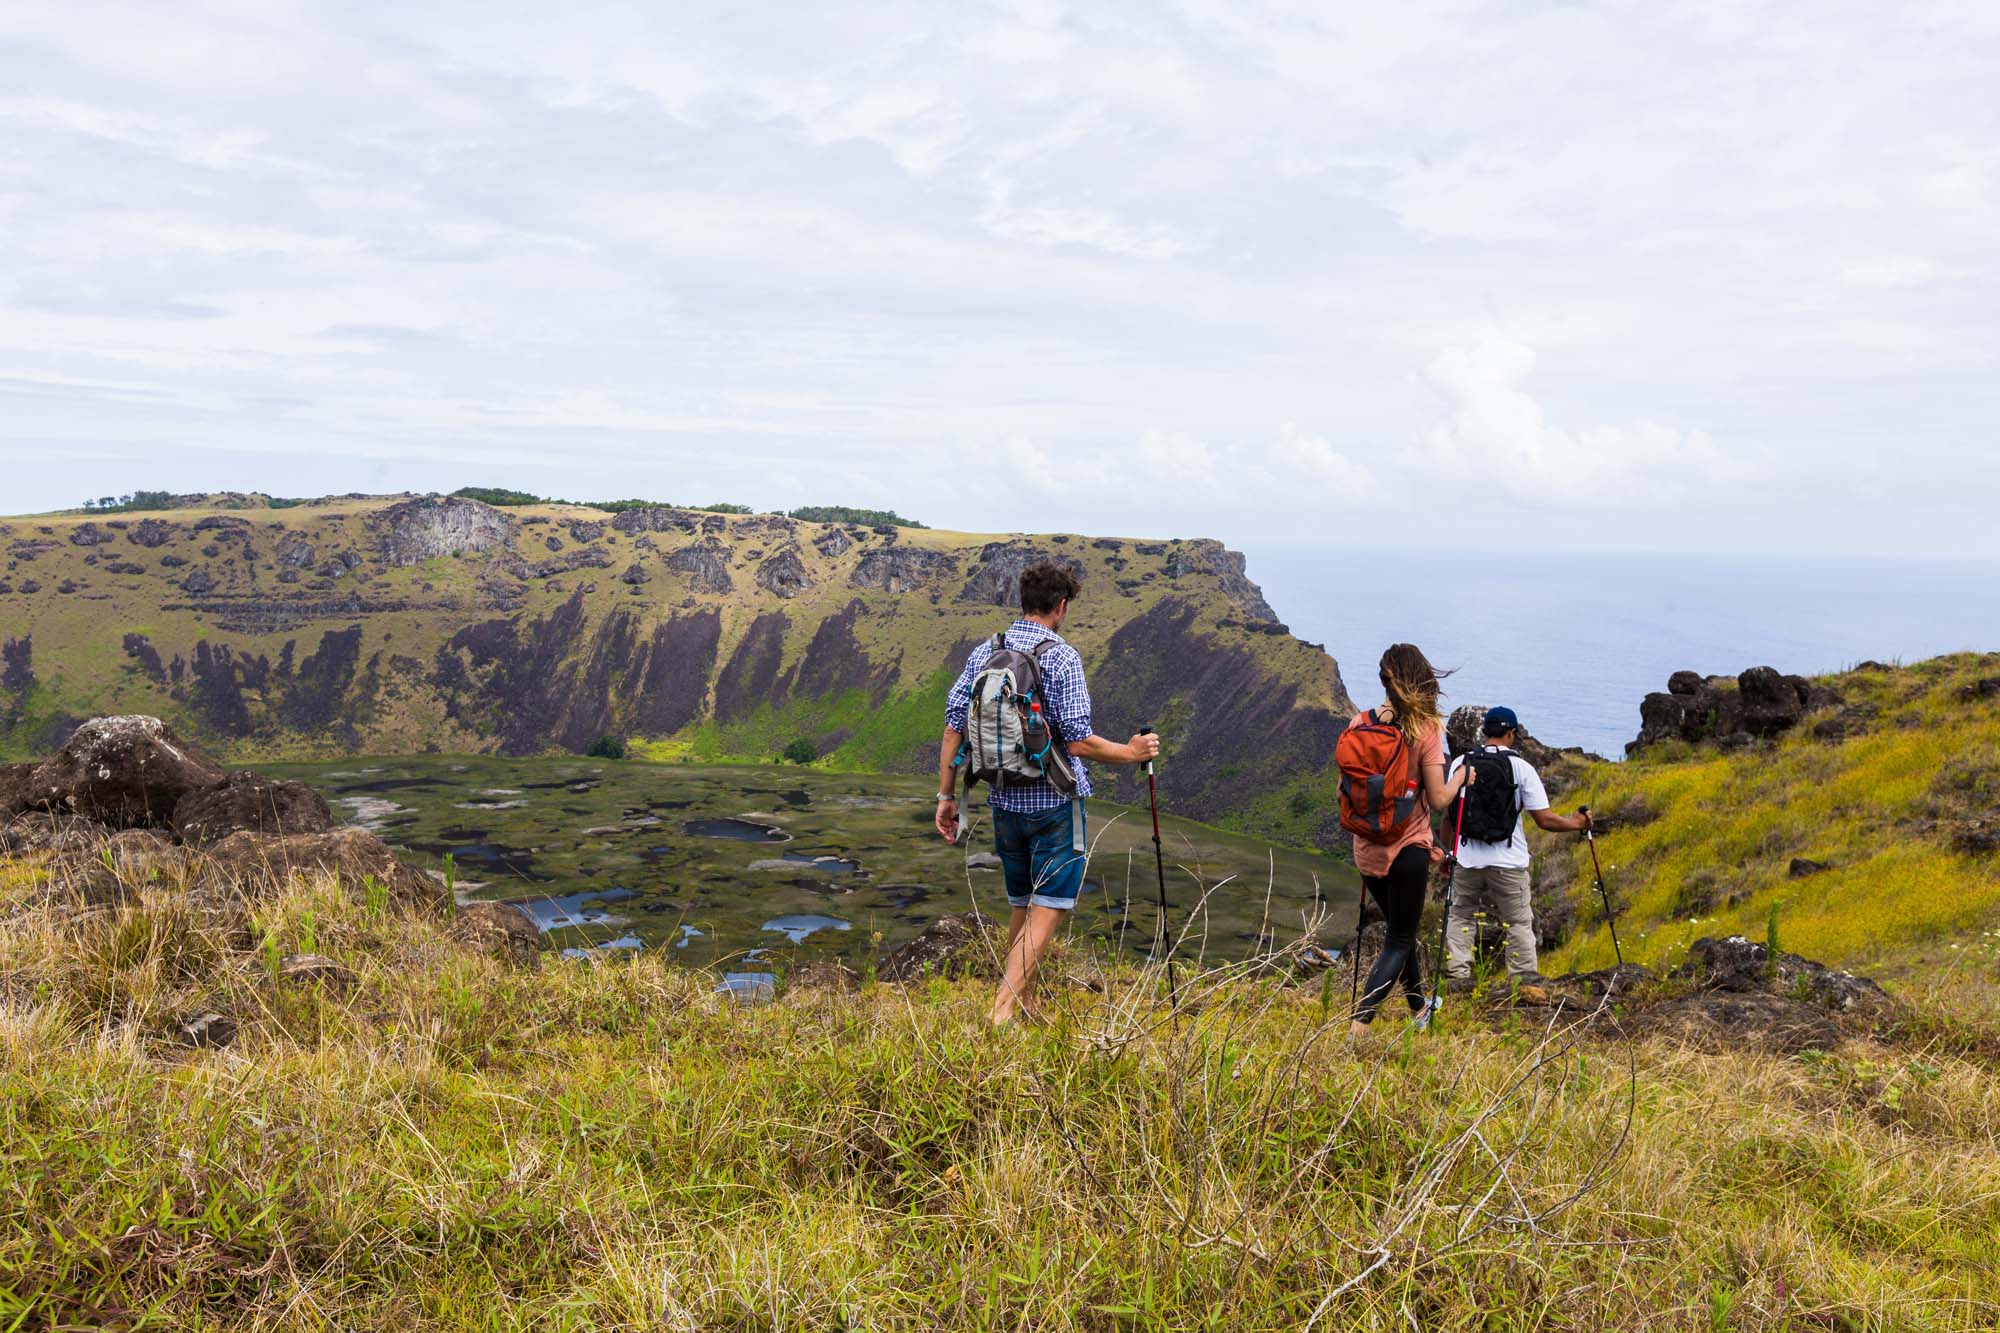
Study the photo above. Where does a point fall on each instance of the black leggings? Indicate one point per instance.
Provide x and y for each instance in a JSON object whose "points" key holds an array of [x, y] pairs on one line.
{"points": [[1400, 895]]}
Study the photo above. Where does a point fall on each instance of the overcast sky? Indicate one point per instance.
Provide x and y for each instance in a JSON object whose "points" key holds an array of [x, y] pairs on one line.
{"points": [[1700, 275]]}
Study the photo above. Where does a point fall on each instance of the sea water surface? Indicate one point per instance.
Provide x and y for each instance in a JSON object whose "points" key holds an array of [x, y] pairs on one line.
{"points": [[1573, 641]]}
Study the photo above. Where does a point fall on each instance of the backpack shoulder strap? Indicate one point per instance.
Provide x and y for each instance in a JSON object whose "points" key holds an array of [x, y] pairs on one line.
{"points": [[1041, 646]]}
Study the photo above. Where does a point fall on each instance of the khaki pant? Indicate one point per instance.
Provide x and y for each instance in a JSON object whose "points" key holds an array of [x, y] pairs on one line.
{"points": [[1503, 892]]}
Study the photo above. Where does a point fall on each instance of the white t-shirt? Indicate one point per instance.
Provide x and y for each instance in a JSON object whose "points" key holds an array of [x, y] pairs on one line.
{"points": [[1529, 794]]}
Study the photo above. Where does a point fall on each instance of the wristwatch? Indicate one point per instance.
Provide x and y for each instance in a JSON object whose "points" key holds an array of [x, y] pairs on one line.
{"points": [[946, 796]]}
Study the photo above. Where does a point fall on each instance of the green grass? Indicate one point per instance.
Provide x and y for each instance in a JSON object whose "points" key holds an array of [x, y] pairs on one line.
{"points": [[1707, 838], [447, 1144]]}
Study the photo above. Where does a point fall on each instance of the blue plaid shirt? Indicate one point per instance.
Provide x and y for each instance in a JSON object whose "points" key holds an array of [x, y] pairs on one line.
{"points": [[1068, 708]]}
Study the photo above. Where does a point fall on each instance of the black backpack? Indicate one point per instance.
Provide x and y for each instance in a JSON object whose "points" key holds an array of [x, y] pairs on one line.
{"points": [[1493, 802]]}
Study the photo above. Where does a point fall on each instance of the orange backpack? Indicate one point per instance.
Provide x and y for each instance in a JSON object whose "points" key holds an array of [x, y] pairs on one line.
{"points": [[1381, 781]]}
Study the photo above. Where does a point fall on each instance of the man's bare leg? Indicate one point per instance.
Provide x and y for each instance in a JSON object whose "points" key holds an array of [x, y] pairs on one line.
{"points": [[1029, 934]]}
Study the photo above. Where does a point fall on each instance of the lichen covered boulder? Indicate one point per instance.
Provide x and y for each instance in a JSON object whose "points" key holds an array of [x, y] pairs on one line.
{"points": [[246, 801], [127, 772]]}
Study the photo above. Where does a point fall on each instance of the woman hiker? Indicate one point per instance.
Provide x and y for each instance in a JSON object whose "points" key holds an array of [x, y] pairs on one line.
{"points": [[1397, 873]]}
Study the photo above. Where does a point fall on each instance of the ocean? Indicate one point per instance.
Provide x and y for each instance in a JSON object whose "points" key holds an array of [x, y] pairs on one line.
{"points": [[1572, 641]]}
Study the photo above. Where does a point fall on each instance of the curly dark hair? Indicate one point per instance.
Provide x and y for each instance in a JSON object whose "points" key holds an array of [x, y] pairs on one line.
{"points": [[1045, 585]]}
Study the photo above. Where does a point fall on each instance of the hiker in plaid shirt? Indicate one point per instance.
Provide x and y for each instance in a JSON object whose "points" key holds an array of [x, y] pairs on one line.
{"points": [[1033, 832]]}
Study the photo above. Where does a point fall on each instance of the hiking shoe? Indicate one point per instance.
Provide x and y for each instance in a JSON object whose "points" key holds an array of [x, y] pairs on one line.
{"points": [[1421, 1020]]}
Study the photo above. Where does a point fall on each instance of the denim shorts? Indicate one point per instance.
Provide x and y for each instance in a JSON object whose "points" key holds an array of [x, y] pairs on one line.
{"points": [[1039, 857]]}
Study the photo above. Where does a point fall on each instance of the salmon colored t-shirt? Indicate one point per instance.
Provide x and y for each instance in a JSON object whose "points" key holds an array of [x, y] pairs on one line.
{"points": [[1374, 858]]}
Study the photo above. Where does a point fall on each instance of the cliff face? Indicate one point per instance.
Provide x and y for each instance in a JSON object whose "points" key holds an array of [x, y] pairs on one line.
{"points": [[406, 624]]}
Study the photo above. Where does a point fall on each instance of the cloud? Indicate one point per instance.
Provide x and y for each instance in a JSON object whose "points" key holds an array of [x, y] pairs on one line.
{"points": [[1207, 253], [1496, 440]]}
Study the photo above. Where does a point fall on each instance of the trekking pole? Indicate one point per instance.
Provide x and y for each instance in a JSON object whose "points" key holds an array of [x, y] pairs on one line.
{"points": [[1597, 869], [1450, 873], [1360, 919], [1160, 864]]}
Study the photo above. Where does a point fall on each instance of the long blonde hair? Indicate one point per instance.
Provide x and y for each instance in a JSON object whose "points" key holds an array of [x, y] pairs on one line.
{"points": [[1411, 683]]}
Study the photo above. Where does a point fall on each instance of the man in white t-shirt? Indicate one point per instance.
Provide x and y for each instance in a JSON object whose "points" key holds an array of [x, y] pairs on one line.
{"points": [[1494, 873]]}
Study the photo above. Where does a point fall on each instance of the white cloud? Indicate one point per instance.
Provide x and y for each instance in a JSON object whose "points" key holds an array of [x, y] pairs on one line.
{"points": [[1495, 440], [1219, 245]]}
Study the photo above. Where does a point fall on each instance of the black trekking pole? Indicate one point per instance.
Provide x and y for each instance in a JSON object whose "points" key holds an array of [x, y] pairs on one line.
{"points": [[1597, 869], [1160, 864], [1450, 873]]}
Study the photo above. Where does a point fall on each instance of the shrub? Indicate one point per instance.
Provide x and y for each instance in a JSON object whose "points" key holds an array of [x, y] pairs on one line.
{"points": [[606, 747], [800, 751]]}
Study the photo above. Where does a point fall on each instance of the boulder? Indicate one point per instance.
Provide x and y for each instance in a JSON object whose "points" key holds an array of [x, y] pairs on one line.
{"points": [[43, 831], [206, 1032], [498, 930], [1685, 682], [1771, 702], [832, 543], [16, 788], [246, 865], [248, 801], [1803, 866], [635, 574], [127, 772], [949, 946], [151, 533], [312, 969]]}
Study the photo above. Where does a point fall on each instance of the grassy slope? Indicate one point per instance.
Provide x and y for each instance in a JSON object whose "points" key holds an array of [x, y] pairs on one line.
{"points": [[1707, 837], [453, 1146]]}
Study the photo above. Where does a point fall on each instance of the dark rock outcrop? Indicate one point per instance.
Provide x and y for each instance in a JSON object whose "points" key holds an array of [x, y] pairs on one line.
{"points": [[246, 801], [295, 552], [420, 530], [704, 564], [832, 543], [996, 579], [1744, 966], [43, 831], [1206, 556], [127, 772], [660, 518], [635, 575], [88, 534], [785, 574], [901, 568], [150, 532], [1759, 704], [250, 866]]}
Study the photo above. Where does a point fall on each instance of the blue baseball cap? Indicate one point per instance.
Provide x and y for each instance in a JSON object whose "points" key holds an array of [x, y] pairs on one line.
{"points": [[1499, 720]]}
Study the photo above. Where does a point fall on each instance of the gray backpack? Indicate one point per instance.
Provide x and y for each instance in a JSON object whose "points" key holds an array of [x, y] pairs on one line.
{"points": [[1007, 735]]}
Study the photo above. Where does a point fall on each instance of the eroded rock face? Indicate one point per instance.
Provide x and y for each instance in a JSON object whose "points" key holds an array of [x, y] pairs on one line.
{"points": [[126, 772], [901, 568], [499, 930], [247, 865], [832, 543], [420, 530], [246, 801], [295, 552], [657, 519], [785, 574], [996, 579], [1211, 557], [705, 565]]}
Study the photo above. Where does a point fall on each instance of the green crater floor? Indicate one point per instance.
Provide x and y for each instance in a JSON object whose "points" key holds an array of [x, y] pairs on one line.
{"points": [[724, 864]]}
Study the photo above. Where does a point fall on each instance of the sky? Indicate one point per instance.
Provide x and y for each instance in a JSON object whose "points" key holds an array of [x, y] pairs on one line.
{"points": [[1702, 276]]}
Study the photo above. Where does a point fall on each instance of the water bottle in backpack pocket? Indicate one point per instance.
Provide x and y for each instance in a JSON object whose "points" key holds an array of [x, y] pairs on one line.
{"points": [[1381, 781], [1008, 735]]}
